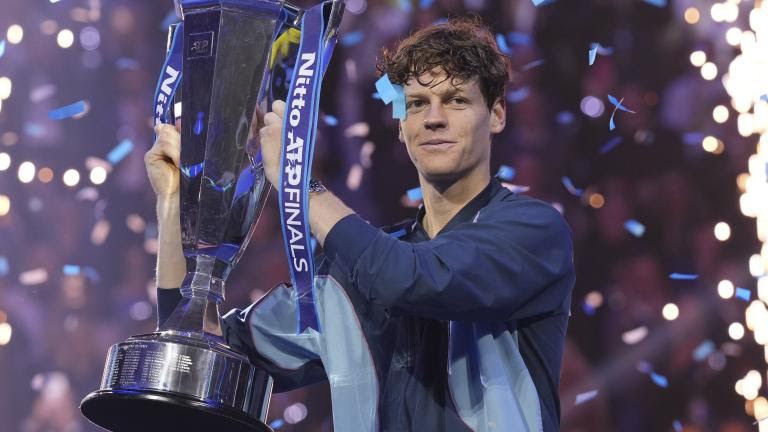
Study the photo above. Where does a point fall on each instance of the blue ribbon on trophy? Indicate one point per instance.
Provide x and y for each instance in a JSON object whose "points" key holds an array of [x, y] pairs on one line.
{"points": [[170, 77], [298, 142]]}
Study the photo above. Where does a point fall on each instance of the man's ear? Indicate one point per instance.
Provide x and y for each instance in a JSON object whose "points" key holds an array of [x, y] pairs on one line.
{"points": [[400, 132], [498, 116]]}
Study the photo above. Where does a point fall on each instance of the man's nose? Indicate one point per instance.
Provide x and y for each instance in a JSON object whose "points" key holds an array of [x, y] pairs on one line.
{"points": [[435, 117]]}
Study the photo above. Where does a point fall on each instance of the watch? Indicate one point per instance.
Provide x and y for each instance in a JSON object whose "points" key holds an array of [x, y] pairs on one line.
{"points": [[316, 186]]}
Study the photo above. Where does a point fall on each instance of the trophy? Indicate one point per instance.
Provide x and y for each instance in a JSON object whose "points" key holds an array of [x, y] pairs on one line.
{"points": [[231, 58]]}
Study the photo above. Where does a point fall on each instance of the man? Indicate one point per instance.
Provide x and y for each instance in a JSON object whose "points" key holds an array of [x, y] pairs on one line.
{"points": [[454, 321]]}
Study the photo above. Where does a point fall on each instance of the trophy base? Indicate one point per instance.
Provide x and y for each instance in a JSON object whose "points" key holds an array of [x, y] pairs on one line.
{"points": [[179, 381], [132, 411]]}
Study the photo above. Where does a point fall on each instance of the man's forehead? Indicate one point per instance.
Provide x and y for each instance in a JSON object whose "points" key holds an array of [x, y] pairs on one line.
{"points": [[436, 82]]}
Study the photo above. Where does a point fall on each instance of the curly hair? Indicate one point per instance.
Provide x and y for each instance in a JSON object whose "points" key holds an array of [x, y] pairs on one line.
{"points": [[463, 48]]}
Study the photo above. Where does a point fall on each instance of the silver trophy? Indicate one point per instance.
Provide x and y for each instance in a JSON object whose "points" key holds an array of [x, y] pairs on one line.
{"points": [[236, 60]]}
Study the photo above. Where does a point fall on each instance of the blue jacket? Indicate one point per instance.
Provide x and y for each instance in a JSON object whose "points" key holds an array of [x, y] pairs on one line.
{"points": [[461, 332]]}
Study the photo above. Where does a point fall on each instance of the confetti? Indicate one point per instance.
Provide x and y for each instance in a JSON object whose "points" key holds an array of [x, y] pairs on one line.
{"points": [[585, 397], [506, 173], [4, 267], [703, 350], [634, 336], [40, 93], [659, 380], [193, 170], [592, 53], [33, 277], [392, 93], [277, 424], [355, 177], [517, 38], [565, 117], [588, 308], [657, 3], [357, 130], [79, 108], [519, 95], [405, 5], [126, 63], [743, 293], [120, 151], [677, 425], [365, 153], [330, 120], [613, 142], [414, 194], [501, 41], [617, 106], [643, 367], [2, 48], [423, 4], [636, 228], [351, 38], [683, 276], [533, 64], [199, 123], [538, 3], [571, 188], [764, 97]]}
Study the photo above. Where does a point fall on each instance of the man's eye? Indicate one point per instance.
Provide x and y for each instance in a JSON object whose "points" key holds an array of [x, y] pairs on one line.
{"points": [[458, 100], [414, 104]]}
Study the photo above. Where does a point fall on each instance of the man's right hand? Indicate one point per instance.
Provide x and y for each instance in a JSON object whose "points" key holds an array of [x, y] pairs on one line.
{"points": [[162, 162]]}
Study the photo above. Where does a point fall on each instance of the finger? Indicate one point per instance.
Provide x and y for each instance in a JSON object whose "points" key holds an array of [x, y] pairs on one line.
{"points": [[278, 107], [271, 119], [168, 144]]}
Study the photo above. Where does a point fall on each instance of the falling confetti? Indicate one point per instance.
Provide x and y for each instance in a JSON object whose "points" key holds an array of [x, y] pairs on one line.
{"points": [[703, 350], [533, 64], [4, 267], [585, 397], [592, 53], [518, 95], [501, 41], [330, 120], [571, 188], [683, 276], [743, 294], [2, 48], [677, 425], [657, 3], [636, 228], [634, 336], [617, 106], [77, 109], [659, 380], [610, 145], [414, 194], [392, 93], [33, 277], [506, 173], [352, 38], [120, 151]]}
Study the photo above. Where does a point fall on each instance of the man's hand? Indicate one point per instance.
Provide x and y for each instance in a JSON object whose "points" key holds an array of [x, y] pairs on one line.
{"points": [[270, 137], [162, 162]]}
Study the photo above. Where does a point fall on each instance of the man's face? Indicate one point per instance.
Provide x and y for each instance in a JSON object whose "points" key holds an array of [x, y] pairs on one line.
{"points": [[447, 129]]}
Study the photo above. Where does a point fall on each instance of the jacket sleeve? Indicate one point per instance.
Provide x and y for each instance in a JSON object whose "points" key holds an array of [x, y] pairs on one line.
{"points": [[266, 332], [513, 261]]}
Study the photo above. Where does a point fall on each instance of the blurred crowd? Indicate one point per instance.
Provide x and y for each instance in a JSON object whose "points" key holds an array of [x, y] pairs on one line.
{"points": [[77, 263]]}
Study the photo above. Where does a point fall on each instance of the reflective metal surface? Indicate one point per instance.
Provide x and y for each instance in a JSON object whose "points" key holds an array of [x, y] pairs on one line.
{"points": [[185, 376]]}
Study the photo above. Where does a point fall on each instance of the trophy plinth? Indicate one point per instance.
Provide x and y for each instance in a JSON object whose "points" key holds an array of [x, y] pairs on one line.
{"points": [[167, 381]]}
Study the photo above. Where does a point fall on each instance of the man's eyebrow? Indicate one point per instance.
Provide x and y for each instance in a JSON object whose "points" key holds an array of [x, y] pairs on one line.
{"points": [[451, 91]]}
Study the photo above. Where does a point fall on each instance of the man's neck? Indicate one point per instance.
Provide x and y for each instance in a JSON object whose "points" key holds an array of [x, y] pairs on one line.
{"points": [[442, 202]]}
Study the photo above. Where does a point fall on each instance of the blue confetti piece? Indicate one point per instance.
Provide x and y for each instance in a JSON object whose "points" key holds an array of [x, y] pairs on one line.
{"points": [[517, 38], [636, 228], [683, 276], [617, 103], [127, 63], [199, 124], [506, 173], [330, 120], [592, 53], [34, 129], [312, 244], [414, 194], [693, 138], [571, 188], [120, 151], [351, 38], [533, 64], [502, 43], [764, 97], [743, 294], [519, 95], [423, 4], [703, 350], [613, 142], [4, 267], [405, 5], [71, 269], [657, 3], [392, 93], [565, 117], [2, 48], [538, 3], [277, 424], [677, 425], [588, 309], [68, 111], [659, 380]]}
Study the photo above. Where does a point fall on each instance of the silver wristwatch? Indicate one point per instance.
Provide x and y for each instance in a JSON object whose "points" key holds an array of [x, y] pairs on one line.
{"points": [[316, 186]]}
